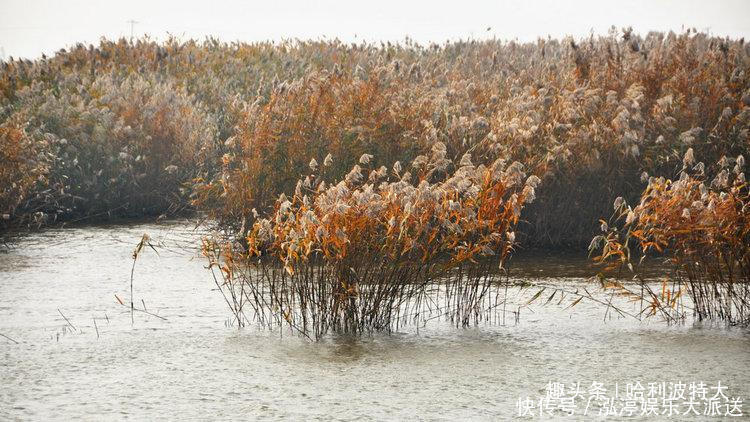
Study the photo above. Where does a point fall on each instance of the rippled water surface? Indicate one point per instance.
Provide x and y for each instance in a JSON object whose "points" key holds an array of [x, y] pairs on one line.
{"points": [[193, 365]]}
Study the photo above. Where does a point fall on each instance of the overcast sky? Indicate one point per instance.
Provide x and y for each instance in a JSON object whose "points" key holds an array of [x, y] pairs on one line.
{"points": [[29, 28]]}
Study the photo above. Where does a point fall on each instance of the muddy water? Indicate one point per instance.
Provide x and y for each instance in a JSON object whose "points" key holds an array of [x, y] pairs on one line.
{"points": [[96, 365]]}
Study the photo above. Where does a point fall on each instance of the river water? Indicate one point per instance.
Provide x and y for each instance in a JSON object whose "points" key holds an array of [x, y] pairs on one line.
{"points": [[69, 348]]}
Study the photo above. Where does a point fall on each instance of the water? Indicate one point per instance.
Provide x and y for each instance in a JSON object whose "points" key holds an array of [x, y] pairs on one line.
{"points": [[195, 366]]}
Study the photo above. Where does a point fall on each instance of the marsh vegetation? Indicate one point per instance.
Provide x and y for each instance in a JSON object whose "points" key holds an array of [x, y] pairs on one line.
{"points": [[348, 179]]}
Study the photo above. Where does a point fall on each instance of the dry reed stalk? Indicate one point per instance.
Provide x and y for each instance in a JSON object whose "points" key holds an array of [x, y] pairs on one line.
{"points": [[702, 229]]}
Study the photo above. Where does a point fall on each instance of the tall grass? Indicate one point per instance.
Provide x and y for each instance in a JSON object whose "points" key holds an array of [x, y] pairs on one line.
{"points": [[118, 146], [702, 227], [588, 118], [23, 165], [298, 151], [239, 122], [368, 252]]}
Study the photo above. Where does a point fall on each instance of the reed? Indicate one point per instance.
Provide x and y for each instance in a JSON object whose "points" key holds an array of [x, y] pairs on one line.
{"points": [[21, 169], [224, 128], [587, 118], [702, 227], [377, 248]]}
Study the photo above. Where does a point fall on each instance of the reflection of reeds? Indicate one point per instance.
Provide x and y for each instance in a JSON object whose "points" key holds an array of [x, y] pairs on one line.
{"points": [[704, 230]]}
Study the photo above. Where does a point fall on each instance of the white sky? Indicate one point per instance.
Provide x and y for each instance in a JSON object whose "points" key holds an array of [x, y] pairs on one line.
{"points": [[31, 27]]}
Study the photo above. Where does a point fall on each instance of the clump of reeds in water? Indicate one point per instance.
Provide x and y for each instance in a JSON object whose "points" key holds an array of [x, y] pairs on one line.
{"points": [[703, 228], [377, 248]]}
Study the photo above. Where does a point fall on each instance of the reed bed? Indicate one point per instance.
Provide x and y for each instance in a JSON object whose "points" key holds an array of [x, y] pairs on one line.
{"points": [[506, 143], [19, 171], [588, 118], [109, 146], [144, 128], [702, 227], [377, 248]]}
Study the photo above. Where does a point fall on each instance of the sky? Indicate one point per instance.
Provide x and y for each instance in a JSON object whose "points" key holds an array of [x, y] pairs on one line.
{"points": [[29, 28]]}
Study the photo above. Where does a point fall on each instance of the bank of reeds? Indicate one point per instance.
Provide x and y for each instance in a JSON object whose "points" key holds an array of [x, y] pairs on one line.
{"points": [[119, 128], [119, 147], [21, 166], [127, 129], [701, 225], [588, 118]]}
